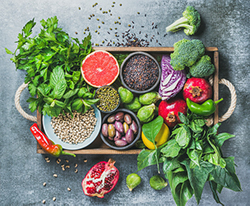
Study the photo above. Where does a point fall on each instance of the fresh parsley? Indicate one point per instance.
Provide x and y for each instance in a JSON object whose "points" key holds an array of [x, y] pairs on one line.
{"points": [[52, 61]]}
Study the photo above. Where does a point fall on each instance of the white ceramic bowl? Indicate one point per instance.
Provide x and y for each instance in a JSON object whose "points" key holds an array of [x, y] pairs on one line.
{"points": [[49, 131]]}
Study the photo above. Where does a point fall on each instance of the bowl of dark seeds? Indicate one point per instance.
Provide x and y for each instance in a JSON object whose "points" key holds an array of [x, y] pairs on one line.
{"points": [[140, 72], [75, 131], [121, 129]]}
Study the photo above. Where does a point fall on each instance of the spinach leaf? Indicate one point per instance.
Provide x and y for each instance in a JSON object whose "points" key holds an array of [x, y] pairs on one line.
{"points": [[171, 149], [198, 176], [226, 176], [151, 129], [182, 136], [222, 137], [213, 186], [147, 158]]}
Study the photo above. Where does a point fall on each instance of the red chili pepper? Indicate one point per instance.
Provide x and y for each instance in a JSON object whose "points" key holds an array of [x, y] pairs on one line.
{"points": [[46, 143]]}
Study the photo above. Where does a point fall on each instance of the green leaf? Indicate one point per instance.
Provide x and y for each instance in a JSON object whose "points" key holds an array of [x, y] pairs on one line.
{"points": [[194, 155], [179, 178], [183, 136], [89, 102], [56, 76], [146, 158], [213, 187], [226, 177], [77, 104], [33, 104], [28, 27], [48, 100], [59, 89], [183, 118], [186, 192], [70, 93], [220, 138], [60, 104], [170, 164], [32, 89], [151, 129], [171, 149], [198, 177], [8, 51], [182, 192], [76, 76]]}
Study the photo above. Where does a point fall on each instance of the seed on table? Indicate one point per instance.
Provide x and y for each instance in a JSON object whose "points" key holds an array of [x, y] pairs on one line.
{"points": [[76, 165], [55, 175], [44, 201], [85, 160], [68, 189], [44, 184], [76, 170], [54, 198]]}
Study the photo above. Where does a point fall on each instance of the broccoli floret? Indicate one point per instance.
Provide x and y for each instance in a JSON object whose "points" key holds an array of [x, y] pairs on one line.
{"points": [[186, 53], [202, 68], [190, 21]]}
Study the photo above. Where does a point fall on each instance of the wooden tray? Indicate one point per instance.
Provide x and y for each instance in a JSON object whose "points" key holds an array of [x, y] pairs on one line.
{"points": [[98, 147]]}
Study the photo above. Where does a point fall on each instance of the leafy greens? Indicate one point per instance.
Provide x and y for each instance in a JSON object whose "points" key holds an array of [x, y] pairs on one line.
{"points": [[52, 61], [191, 157]]}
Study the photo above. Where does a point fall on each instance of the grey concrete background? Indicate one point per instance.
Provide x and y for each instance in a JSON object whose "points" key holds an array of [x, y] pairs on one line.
{"points": [[225, 24]]}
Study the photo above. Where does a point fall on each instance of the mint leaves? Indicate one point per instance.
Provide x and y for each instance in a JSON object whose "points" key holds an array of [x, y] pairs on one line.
{"points": [[191, 157], [52, 61]]}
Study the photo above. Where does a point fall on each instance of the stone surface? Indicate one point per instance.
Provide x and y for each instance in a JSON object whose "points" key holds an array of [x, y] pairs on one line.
{"points": [[225, 24]]}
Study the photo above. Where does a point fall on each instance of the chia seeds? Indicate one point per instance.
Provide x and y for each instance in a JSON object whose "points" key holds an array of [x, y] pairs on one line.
{"points": [[140, 72]]}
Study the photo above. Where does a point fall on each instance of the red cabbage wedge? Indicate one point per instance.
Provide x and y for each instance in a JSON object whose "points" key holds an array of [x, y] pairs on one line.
{"points": [[172, 81]]}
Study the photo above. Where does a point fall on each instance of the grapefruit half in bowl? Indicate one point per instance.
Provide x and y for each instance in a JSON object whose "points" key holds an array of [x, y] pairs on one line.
{"points": [[100, 68]]}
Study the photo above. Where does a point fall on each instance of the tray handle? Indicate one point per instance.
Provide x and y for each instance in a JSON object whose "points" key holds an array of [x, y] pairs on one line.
{"points": [[18, 106], [232, 104]]}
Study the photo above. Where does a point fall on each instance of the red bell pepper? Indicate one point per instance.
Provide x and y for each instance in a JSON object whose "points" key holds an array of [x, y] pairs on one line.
{"points": [[46, 143]]}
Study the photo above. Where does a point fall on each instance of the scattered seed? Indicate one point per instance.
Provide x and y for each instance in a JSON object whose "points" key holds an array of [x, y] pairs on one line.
{"points": [[129, 25], [44, 184], [120, 4], [102, 22], [54, 198], [68, 189], [112, 6], [76, 170], [67, 166], [76, 32], [44, 201], [79, 8], [100, 8], [55, 175], [138, 12], [76, 165], [85, 160]]}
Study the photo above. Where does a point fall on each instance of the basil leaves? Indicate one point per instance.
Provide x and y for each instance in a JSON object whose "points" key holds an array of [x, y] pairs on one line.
{"points": [[52, 61], [190, 158]]}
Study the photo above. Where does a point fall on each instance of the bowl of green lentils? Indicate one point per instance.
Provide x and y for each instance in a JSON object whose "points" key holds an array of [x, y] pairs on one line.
{"points": [[109, 99]]}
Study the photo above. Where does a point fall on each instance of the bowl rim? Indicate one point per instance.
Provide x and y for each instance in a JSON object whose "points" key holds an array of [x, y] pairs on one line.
{"points": [[119, 103], [49, 131], [138, 135], [124, 63]]}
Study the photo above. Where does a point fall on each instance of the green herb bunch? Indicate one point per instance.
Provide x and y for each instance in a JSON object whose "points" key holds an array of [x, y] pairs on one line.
{"points": [[52, 61], [190, 158]]}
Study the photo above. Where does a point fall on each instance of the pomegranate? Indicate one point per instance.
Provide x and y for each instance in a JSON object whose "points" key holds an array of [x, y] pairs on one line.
{"points": [[100, 179], [169, 110], [197, 90]]}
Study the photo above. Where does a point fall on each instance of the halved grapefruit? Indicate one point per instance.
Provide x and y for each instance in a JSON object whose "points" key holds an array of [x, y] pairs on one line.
{"points": [[100, 68]]}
